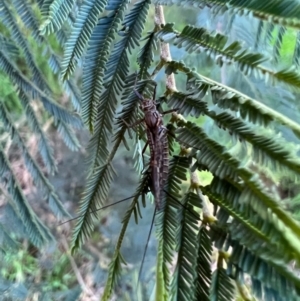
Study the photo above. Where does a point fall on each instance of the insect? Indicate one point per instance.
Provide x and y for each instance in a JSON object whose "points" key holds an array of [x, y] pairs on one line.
{"points": [[157, 140], [158, 143]]}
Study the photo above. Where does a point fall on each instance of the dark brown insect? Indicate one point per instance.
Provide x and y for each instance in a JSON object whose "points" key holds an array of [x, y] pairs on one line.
{"points": [[158, 144]]}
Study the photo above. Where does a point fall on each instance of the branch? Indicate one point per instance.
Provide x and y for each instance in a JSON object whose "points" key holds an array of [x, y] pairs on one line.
{"points": [[165, 56], [77, 273], [165, 53]]}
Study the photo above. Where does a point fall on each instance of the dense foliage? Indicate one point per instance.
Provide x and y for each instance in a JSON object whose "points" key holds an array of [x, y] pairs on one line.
{"points": [[235, 237]]}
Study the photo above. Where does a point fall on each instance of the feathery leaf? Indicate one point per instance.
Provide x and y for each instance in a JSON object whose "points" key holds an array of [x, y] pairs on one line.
{"points": [[57, 13], [282, 12], [95, 194], [81, 32], [33, 168], [29, 219], [96, 59]]}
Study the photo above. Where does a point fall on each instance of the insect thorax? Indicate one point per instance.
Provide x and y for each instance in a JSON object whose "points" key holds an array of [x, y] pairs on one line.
{"points": [[148, 105]]}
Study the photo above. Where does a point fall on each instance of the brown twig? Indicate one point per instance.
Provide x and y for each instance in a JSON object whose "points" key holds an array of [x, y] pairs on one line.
{"points": [[165, 56], [77, 273]]}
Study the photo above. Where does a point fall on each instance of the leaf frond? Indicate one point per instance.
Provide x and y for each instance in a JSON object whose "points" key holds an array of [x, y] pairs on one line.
{"points": [[44, 148], [96, 192], [69, 85], [187, 245], [8, 19], [114, 269], [253, 231], [296, 56], [130, 104], [7, 242], [199, 40], [8, 46], [265, 148], [60, 113], [264, 204], [115, 76], [115, 264], [96, 58], [28, 218], [146, 54], [204, 275], [222, 288], [281, 12], [73, 91], [269, 275], [26, 13], [80, 34], [68, 135], [166, 218], [229, 98], [57, 13], [35, 171], [278, 44], [26, 86]]}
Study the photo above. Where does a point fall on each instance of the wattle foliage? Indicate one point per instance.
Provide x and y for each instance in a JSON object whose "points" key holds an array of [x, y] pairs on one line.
{"points": [[232, 237]]}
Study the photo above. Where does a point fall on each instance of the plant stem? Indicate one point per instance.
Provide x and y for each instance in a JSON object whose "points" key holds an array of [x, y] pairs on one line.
{"points": [[165, 55]]}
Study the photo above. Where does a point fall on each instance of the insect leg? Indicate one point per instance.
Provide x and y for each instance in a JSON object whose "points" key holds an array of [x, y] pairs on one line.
{"points": [[162, 131], [139, 96], [170, 111], [185, 207], [143, 151], [179, 108], [98, 209], [154, 91], [133, 124], [146, 247]]}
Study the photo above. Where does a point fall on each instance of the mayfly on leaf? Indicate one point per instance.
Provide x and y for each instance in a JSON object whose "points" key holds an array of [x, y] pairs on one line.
{"points": [[157, 140], [163, 178]]}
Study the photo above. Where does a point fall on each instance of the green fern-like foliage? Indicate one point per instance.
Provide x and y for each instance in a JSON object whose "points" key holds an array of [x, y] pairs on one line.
{"points": [[19, 64], [234, 234]]}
